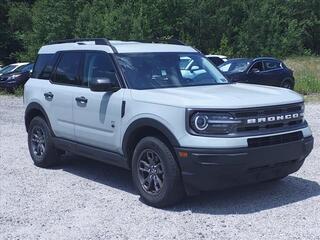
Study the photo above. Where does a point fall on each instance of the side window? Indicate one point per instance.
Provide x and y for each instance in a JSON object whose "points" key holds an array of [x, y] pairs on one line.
{"points": [[42, 61], [68, 68], [271, 65], [257, 67], [97, 65]]}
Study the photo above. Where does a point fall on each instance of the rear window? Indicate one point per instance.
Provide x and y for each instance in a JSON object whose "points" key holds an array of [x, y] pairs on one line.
{"points": [[271, 65], [43, 66]]}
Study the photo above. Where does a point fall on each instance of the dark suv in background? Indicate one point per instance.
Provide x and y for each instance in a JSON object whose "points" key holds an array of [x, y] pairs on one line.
{"points": [[11, 81], [263, 70]]}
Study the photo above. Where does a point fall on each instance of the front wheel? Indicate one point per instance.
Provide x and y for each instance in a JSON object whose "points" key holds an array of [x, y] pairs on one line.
{"points": [[156, 174]]}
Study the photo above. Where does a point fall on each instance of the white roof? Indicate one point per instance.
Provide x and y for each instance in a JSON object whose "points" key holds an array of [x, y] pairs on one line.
{"points": [[121, 46]]}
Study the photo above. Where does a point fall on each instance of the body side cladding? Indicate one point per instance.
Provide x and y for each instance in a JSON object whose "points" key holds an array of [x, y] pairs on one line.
{"points": [[91, 152], [147, 122]]}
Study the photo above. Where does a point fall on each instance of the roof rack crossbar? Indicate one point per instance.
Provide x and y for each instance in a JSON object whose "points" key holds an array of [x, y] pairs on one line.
{"points": [[97, 41]]}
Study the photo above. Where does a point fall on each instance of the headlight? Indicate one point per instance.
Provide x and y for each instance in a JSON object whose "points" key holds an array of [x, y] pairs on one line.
{"points": [[210, 123], [12, 77]]}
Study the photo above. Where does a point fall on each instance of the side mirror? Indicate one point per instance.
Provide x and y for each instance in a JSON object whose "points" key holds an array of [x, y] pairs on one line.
{"points": [[106, 84], [194, 68]]}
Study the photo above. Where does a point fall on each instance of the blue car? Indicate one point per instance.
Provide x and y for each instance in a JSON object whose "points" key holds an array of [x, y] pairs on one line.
{"points": [[262, 70]]}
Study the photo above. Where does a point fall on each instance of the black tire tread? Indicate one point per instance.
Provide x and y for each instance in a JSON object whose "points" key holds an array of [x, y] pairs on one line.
{"points": [[174, 191], [51, 157]]}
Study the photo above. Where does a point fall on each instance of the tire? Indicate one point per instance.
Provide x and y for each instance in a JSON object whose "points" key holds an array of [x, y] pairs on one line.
{"points": [[41, 147], [287, 84], [162, 185]]}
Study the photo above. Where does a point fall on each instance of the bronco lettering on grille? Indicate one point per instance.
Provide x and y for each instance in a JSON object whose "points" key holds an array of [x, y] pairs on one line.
{"points": [[274, 118]]}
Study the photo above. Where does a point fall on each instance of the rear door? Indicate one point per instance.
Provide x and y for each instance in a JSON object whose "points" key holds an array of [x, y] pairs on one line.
{"points": [[273, 72], [97, 116], [59, 93]]}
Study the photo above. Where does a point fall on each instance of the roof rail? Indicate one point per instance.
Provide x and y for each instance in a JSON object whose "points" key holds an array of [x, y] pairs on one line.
{"points": [[97, 41], [168, 41]]}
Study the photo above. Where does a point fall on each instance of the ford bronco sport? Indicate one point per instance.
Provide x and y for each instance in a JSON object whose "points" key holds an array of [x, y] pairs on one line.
{"points": [[179, 130]]}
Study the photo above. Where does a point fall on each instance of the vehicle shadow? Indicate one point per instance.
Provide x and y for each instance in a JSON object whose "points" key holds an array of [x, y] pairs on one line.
{"points": [[252, 198], [102, 173], [240, 200]]}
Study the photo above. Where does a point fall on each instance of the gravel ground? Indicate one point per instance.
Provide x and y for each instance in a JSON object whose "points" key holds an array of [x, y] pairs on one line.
{"points": [[82, 199]]}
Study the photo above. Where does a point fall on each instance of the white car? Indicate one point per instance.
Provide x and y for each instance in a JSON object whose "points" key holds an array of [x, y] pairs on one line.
{"points": [[180, 129], [217, 59]]}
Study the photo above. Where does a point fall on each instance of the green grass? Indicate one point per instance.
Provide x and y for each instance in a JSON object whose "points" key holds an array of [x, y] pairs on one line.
{"points": [[306, 73]]}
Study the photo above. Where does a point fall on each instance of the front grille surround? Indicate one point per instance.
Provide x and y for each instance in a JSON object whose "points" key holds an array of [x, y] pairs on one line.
{"points": [[253, 129]]}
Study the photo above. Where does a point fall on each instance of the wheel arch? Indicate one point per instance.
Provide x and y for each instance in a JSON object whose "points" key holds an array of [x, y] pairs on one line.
{"points": [[35, 109], [288, 79], [146, 127]]}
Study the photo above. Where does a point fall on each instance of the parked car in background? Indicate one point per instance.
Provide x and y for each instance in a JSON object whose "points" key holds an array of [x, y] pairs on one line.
{"points": [[12, 67], [217, 60], [11, 81], [262, 70]]}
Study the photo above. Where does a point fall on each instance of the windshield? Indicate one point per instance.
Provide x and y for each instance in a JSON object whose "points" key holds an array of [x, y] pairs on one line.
{"points": [[235, 65], [7, 69], [166, 70]]}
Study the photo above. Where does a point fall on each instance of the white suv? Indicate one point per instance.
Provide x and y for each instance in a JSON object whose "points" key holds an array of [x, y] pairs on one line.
{"points": [[180, 131]]}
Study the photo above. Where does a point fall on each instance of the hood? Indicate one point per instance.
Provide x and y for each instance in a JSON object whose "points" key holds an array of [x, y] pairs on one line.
{"points": [[236, 95]]}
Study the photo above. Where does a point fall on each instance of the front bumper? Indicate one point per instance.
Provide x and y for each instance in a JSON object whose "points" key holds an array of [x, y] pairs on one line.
{"points": [[209, 169]]}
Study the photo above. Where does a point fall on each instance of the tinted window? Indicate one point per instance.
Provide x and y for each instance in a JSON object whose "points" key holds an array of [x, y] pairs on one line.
{"points": [[67, 68], [257, 67], [26, 68], [271, 65], [41, 63], [235, 66], [96, 66]]}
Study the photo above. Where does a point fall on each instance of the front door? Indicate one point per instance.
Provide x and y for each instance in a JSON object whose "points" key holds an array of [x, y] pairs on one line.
{"points": [[97, 115]]}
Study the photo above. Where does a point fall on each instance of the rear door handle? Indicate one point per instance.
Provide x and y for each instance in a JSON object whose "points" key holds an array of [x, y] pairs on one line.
{"points": [[48, 95], [81, 100]]}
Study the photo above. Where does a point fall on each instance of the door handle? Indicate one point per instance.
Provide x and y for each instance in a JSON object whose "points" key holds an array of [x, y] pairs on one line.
{"points": [[81, 100], [48, 95]]}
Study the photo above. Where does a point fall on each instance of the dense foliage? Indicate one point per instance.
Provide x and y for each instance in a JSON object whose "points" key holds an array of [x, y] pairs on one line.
{"points": [[234, 28]]}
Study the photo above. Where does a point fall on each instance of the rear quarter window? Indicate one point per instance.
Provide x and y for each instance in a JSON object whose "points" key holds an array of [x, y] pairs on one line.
{"points": [[43, 66]]}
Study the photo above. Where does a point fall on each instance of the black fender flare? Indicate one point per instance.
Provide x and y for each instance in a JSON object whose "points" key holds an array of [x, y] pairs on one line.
{"points": [[148, 122], [36, 106]]}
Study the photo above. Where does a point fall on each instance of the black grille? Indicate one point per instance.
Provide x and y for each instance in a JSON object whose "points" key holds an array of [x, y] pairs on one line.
{"points": [[244, 115], [273, 140]]}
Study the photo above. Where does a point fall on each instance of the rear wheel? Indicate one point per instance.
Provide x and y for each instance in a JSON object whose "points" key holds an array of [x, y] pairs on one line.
{"points": [[156, 174], [287, 84], [40, 143]]}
